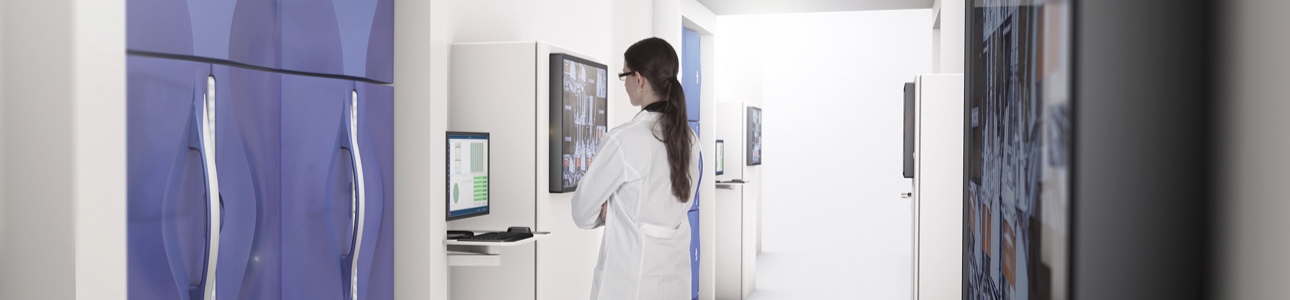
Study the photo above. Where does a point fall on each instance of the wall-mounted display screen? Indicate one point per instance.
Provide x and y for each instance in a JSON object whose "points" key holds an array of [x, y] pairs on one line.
{"points": [[1017, 200], [907, 154], [721, 157], [579, 100], [754, 136]]}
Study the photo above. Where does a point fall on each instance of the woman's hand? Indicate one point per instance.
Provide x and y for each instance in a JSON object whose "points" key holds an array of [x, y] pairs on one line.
{"points": [[603, 208]]}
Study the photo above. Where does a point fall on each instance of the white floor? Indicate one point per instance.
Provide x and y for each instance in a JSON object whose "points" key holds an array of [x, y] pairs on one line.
{"points": [[854, 249]]}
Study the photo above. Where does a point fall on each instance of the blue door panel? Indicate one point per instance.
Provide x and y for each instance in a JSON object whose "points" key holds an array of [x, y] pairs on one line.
{"points": [[241, 31], [254, 33], [338, 37], [248, 155], [311, 36], [167, 189], [694, 253], [380, 44], [318, 188], [376, 140], [694, 125], [691, 69], [162, 26]]}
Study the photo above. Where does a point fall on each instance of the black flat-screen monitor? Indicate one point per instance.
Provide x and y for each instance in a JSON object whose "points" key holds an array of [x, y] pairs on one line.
{"points": [[754, 136], [1017, 121], [467, 175], [907, 154], [579, 100]]}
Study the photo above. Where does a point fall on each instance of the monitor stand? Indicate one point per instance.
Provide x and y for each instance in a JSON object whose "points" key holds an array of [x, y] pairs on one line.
{"points": [[456, 234]]}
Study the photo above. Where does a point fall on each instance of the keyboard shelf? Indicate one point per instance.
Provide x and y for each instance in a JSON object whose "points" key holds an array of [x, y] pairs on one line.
{"points": [[483, 254]]}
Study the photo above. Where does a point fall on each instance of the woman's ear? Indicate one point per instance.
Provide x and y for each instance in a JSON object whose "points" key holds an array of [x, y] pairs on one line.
{"points": [[641, 82]]}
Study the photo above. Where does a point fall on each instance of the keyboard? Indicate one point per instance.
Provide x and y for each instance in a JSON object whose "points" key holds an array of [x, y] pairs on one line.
{"points": [[498, 237]]}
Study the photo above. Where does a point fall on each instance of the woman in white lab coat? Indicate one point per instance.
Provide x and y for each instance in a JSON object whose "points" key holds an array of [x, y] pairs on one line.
{"points": [[640, 184]]}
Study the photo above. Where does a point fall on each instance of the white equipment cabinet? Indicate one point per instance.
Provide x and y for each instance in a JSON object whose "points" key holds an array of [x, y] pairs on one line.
{"points": [[938, 187], [738, 197]]}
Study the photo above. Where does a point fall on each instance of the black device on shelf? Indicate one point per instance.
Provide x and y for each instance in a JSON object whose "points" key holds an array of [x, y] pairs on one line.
{"points": [[510, 235], [457, 234]]}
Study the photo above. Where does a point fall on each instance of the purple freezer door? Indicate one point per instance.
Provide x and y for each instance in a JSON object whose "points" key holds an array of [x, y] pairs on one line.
{"points": [[694, 228], [694, 125], [338, 37], [694, 254], [168, 181], [376, 140], [242, 31], [691, 69], [321, 191], [248, 158], [162, 26]]}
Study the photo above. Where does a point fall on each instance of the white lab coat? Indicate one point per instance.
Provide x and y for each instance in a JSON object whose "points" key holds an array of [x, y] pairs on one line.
{"points": [[644, 253]]}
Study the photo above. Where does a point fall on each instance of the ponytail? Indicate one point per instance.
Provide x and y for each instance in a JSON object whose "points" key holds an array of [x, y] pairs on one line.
{"points": [[655, 59], [676, 137]]}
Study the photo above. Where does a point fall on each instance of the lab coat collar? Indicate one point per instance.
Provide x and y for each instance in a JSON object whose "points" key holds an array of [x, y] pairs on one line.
{"points": [[646, 115]]}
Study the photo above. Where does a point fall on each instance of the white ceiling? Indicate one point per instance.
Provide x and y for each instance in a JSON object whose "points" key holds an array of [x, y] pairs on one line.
{"points": [[740, 7]]}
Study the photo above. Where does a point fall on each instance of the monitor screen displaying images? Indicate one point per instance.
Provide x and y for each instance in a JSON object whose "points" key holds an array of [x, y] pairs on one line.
{"points": [[1017, 202], [721, 157], [579, 100], [754, 136]]}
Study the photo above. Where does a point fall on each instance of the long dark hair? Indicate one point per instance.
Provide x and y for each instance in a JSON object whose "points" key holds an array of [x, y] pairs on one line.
{"points": [[656, 60]]}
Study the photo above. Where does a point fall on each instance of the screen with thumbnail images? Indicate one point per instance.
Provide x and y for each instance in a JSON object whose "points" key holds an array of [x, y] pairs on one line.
{"points": [[754, 136], [1017, 202], [579, 99], [467, 175]]}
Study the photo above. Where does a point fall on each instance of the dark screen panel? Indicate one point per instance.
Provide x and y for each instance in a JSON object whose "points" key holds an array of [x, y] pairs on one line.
{"points": [[579, 100], [1017, 201], [907, 155]]}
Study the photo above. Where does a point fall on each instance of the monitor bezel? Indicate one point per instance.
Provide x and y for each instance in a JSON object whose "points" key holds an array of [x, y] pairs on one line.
{"points": [[448, 136]]}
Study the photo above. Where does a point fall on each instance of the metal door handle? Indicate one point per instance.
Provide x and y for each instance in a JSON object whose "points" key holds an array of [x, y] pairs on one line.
{"points": [[212, 184], [359, 199]]}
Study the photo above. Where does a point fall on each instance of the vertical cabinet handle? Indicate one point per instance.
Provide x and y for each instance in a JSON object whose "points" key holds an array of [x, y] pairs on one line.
{"points": [[359, 198], [212, 184]]}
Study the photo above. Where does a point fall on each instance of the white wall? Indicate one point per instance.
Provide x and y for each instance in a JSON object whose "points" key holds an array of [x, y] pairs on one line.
{"points": [[64, 150], [830, 85], [99, 138], [950, 45], [420, 118], [1253, 163]]}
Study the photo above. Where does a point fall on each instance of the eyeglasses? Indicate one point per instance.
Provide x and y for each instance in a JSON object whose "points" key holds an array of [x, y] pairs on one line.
{"points": [[623, 76]]}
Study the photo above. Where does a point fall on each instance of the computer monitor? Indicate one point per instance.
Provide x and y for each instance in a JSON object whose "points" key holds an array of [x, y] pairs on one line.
{"points": [[467, 175], [907, 154], [579, 120], [1018, 177], [753, 158], [721, 157]]}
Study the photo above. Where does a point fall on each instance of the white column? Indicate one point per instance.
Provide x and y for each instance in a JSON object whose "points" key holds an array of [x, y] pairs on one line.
{"points": [[63, 128]]}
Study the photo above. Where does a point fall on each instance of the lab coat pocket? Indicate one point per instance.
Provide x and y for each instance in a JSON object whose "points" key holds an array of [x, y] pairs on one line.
{"points": [[660, 232], [665, 268]]}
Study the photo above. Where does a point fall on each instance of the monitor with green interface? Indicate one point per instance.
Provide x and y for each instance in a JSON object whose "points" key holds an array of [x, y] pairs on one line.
{"points": [[467, 175]]}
